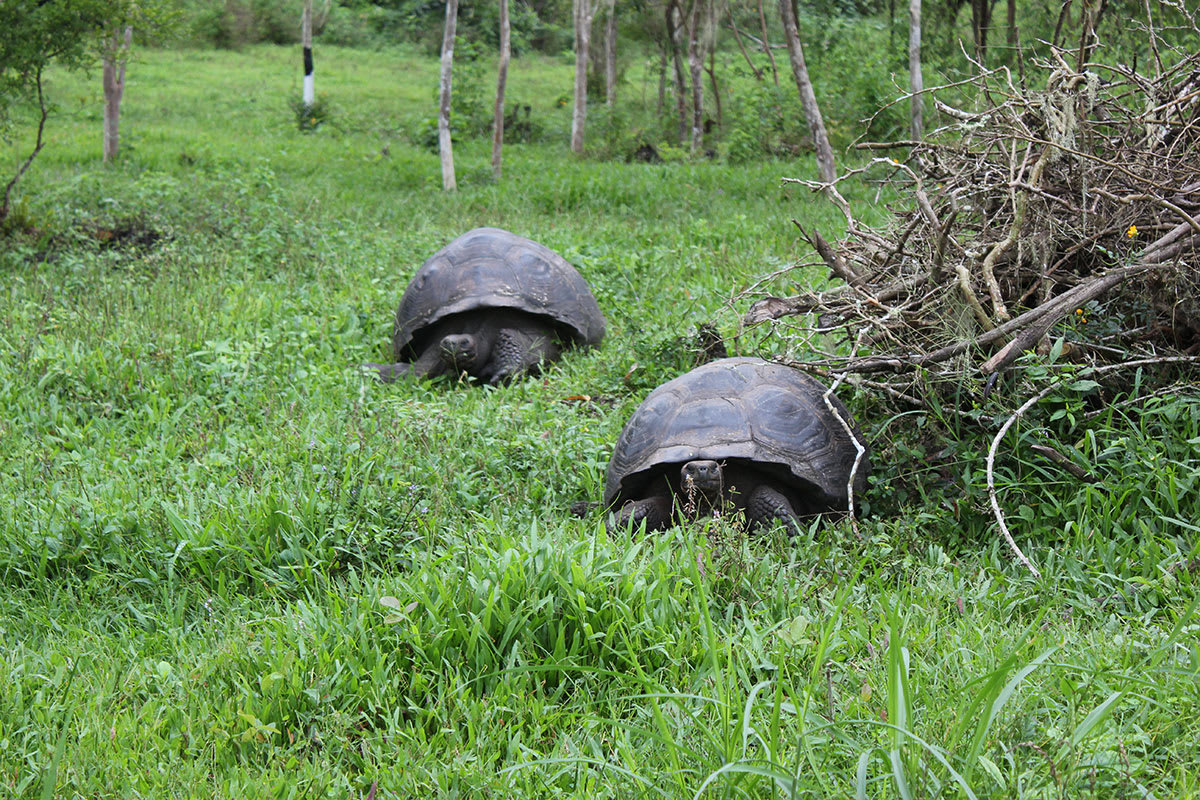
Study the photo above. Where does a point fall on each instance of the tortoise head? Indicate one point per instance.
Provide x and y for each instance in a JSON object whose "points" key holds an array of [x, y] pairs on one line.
{"points": [[703, 476], [461, 351]]}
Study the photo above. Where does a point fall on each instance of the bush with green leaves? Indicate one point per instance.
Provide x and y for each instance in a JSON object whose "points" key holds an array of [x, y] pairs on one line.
{"points": [[766, 121], [33, 37]]}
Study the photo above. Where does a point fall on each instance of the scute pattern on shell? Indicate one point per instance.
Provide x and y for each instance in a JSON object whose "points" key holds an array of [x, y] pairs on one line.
{"points": [[493, 268], [738, 408]]}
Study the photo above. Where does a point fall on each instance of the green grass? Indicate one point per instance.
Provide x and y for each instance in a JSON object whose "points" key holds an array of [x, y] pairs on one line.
{"points": [[231, 567]]}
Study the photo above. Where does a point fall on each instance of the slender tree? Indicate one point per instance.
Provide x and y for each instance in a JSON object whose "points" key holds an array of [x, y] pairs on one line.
{"points": [[737, 37], [501, 80], [610, 55], [711, 69], [34, 34], [584, 10], [116, 52], [766, 45], [152, 17], [981, 23], [916, 83], [674, 26], [808, 98], [309, 91], [445, 148], [695, 19], [662, 78]]}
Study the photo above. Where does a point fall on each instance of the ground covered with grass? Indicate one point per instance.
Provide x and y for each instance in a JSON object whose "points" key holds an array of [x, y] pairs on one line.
{"points": [[234, 567]]}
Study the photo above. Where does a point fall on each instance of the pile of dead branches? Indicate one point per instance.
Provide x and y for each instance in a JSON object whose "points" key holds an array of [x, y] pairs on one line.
{"points": [[1019, 220]]}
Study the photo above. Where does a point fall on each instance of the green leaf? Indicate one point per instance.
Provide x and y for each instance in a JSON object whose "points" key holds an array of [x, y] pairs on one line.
{"points": [[1098, 714]]}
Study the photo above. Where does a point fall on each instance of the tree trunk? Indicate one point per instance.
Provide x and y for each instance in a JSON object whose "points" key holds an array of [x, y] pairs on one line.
{"points": [[1012, 26], [501, 80], [681, 92], [1089, 21], [583, 35], [114, 87], [662, 80], [916, 82], [44, 112], [695, 67], [716, 89], [1064, 15], [762, 18], [306, 41], [981, 21], [445, 147], [808, 98], [737, 37], [610, 55]]}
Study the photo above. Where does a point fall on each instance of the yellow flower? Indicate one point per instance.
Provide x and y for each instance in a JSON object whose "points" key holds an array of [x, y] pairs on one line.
{"points": [[1132, 232], [1079, 311]]}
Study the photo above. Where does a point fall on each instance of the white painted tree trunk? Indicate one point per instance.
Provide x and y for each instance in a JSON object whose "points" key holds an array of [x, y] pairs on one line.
{"points": [[113, 76], [916, 83], [501, 80], [583, 35], [309, 95], [808, 98], [445, 148]]}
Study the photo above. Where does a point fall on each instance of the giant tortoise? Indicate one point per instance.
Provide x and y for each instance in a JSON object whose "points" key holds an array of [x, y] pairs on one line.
{"points": [[737, 433], [493, 305]]}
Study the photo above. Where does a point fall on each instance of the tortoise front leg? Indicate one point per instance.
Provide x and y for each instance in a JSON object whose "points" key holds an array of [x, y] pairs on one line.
{"points": [[429, 365], [516, 352], [388, 373], [655, 511], [766, 505]]}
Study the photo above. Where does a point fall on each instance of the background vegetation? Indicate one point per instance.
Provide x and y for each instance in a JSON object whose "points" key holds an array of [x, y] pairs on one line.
{"points": [[233, 567]]}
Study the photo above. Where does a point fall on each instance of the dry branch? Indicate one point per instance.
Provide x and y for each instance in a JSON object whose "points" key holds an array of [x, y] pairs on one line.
{"points": [[1019, 216]]}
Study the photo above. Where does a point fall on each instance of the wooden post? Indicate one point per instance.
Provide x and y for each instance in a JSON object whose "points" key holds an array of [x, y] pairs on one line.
{"points": [[309, 95]]}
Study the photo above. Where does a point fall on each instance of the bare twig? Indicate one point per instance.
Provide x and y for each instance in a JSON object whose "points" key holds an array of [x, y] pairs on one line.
{"points": [[1016, 217], [991, 476], [860, 449], [1063, 461]]}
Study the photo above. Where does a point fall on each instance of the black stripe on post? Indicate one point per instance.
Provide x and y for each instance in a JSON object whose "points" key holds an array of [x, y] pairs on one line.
{"points": [[308, 61]]}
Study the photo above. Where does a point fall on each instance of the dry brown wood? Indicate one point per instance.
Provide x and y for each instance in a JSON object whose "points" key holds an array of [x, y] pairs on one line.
{"points": [[1048, 206], [1064, 461]]}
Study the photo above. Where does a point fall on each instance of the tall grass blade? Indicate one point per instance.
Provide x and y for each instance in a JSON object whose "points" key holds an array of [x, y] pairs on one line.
{"points": [[50, 775], [1094, 718]]}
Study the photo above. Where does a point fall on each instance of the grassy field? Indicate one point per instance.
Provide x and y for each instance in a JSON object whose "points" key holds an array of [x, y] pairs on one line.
{"points": [[232, 567]]}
